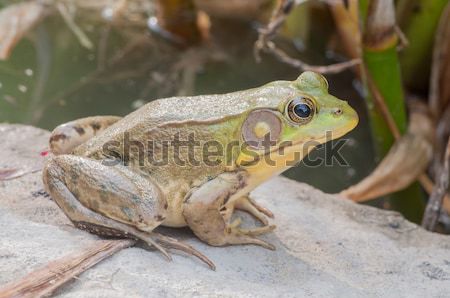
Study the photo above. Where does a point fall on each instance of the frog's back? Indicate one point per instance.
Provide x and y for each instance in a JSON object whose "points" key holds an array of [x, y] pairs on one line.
{"points": [[178, 110], [201, 108]]}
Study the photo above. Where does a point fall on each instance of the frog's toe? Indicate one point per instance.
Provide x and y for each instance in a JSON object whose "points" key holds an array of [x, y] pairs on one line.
{"points": [[170, 242], [250, 206], [152, 242], [256, 231], [234, 227], [237, 237]]}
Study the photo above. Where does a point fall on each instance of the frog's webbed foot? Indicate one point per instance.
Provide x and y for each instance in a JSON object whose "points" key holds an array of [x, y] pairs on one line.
{"points": [[210, 222], [235, 226], [248, 205], [234, 234], [253, 208]]}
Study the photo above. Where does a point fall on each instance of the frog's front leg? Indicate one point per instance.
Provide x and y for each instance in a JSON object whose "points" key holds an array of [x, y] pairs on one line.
{"points": [[110, 201], [202, 211]]}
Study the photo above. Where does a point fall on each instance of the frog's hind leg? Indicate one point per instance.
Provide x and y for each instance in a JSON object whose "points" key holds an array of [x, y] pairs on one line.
{"points": [[68, 136], [110, 201]]}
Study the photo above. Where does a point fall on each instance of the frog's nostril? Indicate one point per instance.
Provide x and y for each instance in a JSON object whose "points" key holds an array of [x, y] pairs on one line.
{"points": [[337, 112]]}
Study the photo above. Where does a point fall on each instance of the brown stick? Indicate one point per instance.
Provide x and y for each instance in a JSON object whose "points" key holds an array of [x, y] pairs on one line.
{"points": [[265, 43], [43, 282], [428, 185], [441, 52], [437, 196], [10, 174], [276, 21], [325, 69]]}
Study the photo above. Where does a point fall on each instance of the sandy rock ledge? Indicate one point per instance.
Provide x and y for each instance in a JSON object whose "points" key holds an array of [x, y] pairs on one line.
{"points": [[325, 246]]}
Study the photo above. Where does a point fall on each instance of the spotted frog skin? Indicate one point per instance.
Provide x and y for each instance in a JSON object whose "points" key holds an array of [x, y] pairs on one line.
{"points": [[101, 176]]}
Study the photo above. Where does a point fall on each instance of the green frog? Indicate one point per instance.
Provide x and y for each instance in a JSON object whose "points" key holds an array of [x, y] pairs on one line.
{"points": [[190, 161]]}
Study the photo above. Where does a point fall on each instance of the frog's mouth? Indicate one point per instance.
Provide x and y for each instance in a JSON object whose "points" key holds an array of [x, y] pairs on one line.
{"points": [[299, 146]]}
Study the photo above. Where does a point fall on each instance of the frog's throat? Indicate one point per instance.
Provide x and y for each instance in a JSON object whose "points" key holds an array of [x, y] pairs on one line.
{"points": [[279, 159]]}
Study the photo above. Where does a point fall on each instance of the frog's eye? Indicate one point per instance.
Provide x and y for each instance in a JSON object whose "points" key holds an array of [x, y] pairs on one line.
{"points": [[300, 110]]}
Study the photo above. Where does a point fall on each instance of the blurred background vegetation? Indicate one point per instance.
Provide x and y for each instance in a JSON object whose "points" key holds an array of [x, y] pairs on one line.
{"points": [[66, 59]]}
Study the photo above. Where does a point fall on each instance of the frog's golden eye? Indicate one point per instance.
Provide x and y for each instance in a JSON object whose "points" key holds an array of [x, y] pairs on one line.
{"points": [[300, 110]]}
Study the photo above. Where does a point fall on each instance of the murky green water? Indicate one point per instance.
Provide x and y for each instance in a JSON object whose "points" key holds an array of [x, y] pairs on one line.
{"points": [[51, 79]]}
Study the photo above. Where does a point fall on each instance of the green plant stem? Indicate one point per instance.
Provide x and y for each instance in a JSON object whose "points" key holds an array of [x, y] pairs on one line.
{"points": [[385, 72], [382, 64]]}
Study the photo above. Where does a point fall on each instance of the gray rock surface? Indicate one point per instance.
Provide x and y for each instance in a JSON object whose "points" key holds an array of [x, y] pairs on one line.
{"points": [[326, 246]]}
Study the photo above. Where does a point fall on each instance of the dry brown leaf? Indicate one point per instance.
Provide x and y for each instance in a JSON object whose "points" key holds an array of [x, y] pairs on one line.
{"points": [[44, 281], [177, 21], [404, 163], [15, 21]]}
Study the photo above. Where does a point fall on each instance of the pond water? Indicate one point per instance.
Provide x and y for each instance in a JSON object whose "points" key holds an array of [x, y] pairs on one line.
{"points": [[50, 79]]}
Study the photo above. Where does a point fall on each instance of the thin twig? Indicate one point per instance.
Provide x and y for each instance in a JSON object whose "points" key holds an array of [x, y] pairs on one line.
{"points": [[276, 21], [265, 43], [404, 42], [79, 33], [329, 69], [10, 174], [428, 185], [437, 196]]}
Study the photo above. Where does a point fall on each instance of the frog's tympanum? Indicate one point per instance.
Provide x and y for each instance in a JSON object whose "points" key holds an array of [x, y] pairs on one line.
{"points": [[190, 161]]}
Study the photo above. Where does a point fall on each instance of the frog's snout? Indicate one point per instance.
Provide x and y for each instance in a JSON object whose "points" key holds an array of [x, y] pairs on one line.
{"points": [[350, 116], [345, 115]]}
